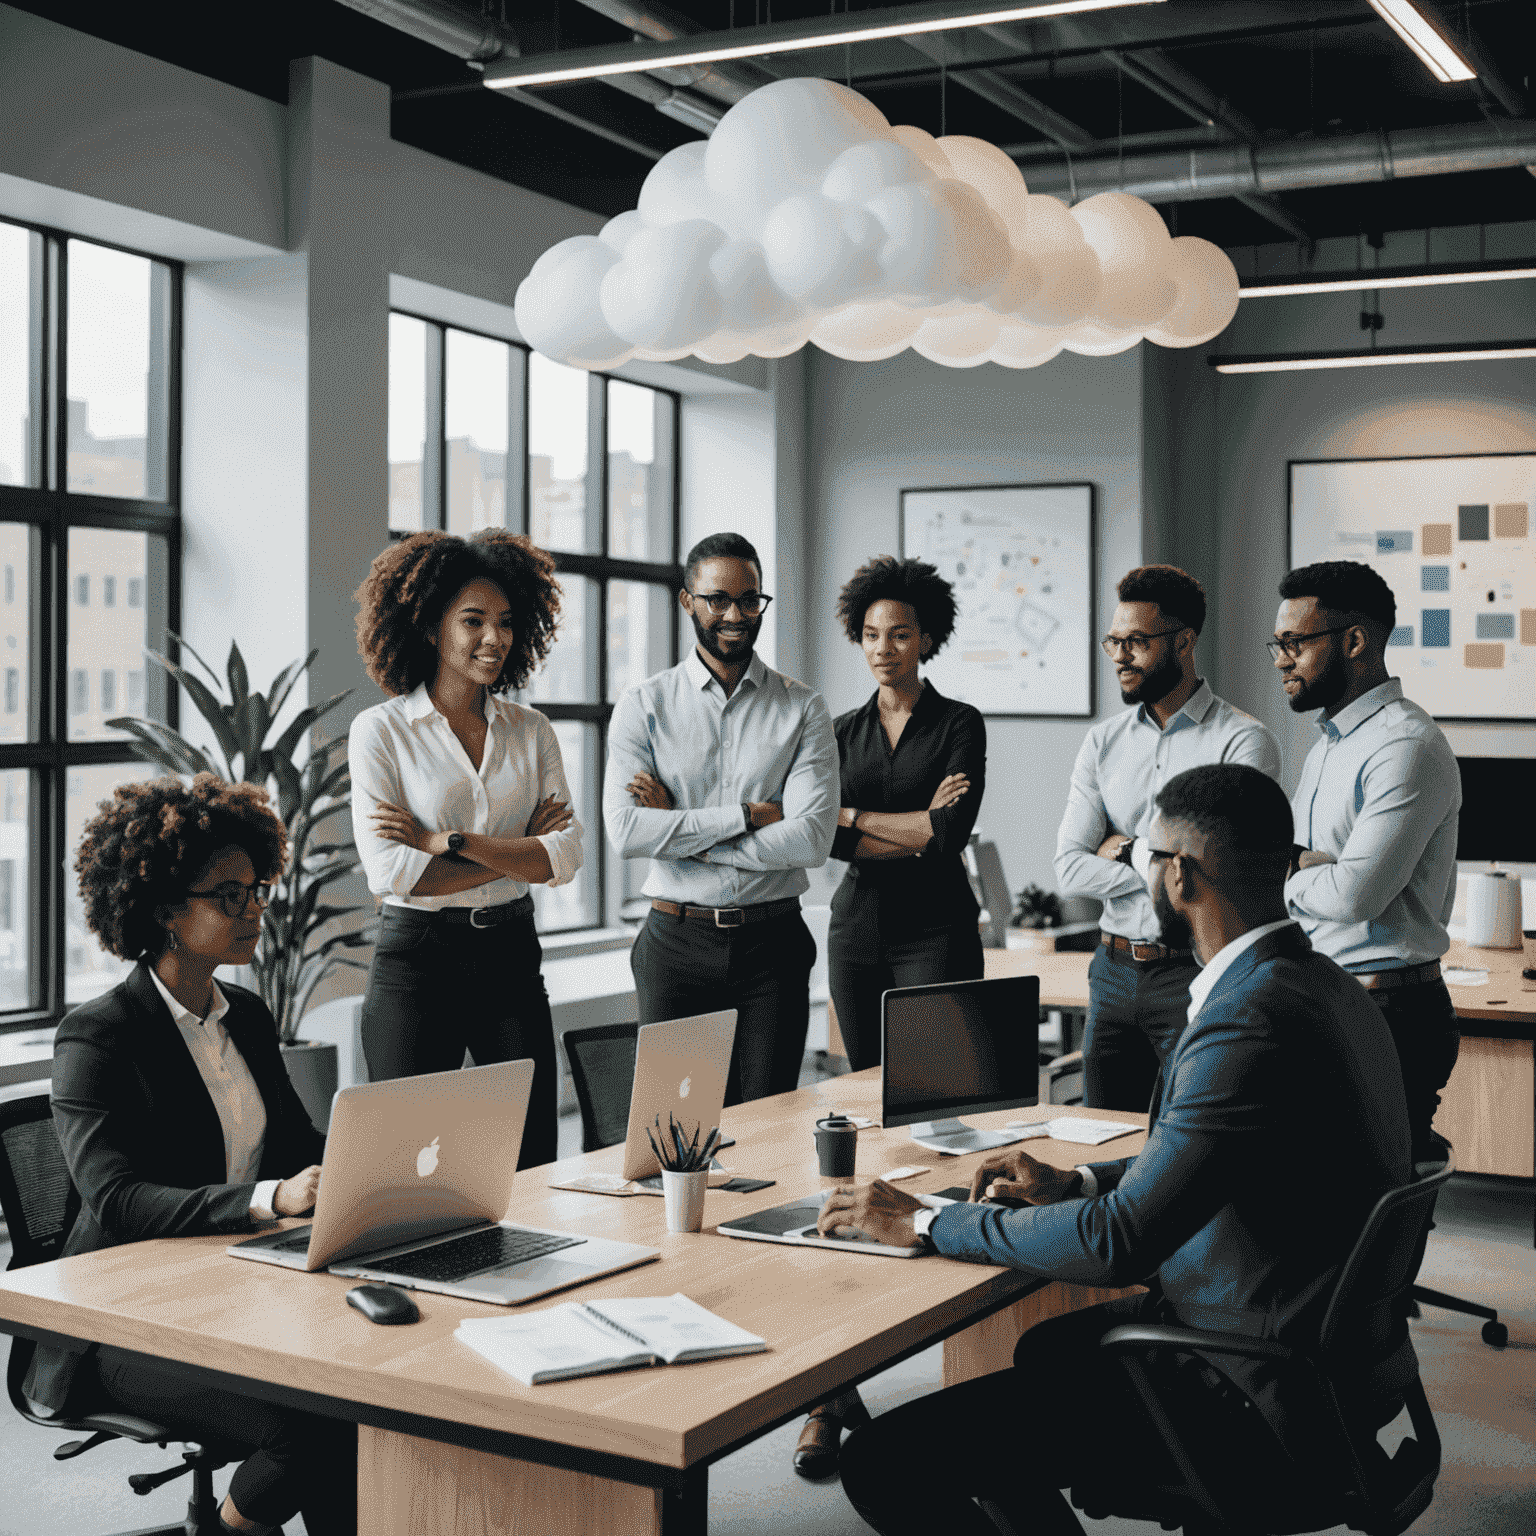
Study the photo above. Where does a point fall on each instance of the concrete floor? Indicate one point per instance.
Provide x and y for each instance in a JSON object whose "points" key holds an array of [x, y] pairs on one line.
{"points": [[1484, 1401]]}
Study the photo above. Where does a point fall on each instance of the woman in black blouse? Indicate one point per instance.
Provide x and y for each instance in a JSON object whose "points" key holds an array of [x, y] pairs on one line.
{"points": [[913, 767]]}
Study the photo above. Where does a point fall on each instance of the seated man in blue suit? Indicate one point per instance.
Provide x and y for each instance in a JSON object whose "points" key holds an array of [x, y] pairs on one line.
{"points": [[1278, 1122]]}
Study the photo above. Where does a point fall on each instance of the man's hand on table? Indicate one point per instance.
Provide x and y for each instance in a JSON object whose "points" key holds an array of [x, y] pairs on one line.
{"points": [[1015, 1175], [878, 1210]]}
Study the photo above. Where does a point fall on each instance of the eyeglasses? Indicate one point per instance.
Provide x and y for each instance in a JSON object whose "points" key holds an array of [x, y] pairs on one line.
{"points": [[1137, 642], [720, 603], [1291, 644], [235, 898]]}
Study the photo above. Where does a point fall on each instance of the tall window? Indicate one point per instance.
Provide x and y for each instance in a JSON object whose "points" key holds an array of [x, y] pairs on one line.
{"points": [[89, 485], [485, 434]]}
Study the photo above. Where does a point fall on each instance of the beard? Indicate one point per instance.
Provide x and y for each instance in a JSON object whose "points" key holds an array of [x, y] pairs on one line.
{"points": [[1325, 689], [729, 652], [1172, 928], [1154, 685]]}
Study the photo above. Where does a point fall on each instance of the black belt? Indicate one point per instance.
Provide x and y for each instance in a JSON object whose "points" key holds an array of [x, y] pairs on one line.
{"points": [[1403, 976], [1143, 954], [475, 917], [729, 917]]}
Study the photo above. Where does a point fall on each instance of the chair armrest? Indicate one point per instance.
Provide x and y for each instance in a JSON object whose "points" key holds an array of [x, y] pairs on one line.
{"points": [[1139, 1336], [1066, 1063]]}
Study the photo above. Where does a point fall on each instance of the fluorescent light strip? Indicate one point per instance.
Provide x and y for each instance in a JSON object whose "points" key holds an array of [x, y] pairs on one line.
{"points": [[1434, 51], [1365, 282], [793, 37], [1385, 357]]}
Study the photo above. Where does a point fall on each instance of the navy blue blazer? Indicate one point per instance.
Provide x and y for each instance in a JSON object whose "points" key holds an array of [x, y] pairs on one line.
{"points": [[1279, 1121], [142, 1138]]}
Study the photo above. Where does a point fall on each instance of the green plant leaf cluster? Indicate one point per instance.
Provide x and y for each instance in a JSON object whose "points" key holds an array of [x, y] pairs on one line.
{"points": [[302, 934], [1037, 908]]}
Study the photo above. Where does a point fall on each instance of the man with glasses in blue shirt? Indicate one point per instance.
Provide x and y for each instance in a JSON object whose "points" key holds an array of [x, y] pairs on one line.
{"points": [[723, 773], [1373, 876], [1138, 986]]}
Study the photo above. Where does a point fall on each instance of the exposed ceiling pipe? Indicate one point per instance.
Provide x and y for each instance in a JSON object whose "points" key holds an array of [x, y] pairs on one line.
{"points": [[475, 39], [1186, 91], [1227, 170], [725, 82]]}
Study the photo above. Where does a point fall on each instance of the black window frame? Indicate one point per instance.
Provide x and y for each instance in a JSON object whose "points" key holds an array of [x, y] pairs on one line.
{"points": [[602, 568], [51, 511]]}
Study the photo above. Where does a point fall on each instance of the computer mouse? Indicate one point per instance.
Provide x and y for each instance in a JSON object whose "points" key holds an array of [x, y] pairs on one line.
{"points": [[383, 1304]]}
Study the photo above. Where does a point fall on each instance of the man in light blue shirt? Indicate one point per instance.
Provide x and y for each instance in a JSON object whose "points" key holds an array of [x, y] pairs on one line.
{"points": [[1138, 988], [1374, 875], [723, 773]]}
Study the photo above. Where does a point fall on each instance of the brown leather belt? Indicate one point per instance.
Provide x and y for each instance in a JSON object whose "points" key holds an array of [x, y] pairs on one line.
{"points": [[1143, 954], [1405, 976], [728, 917]]}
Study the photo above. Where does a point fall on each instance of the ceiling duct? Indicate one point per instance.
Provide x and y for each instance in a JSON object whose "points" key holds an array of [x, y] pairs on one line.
{"points": [[1232, 170], [477, 39], [724, 82]]}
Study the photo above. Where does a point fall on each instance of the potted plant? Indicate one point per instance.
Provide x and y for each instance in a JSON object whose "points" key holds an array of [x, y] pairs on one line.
{"points": [[1036, 916], [300, 940]]}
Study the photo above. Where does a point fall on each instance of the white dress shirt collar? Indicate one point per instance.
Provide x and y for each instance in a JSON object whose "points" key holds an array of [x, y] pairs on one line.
{"points": [[185, 1016], [419, 705], [1352, 716], [1197, 706], [701, 677], [1218, 965]]}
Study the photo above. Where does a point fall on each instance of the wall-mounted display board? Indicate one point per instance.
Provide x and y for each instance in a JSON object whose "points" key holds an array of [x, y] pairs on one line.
{"points": [[1021, 558], [1455, 539]]}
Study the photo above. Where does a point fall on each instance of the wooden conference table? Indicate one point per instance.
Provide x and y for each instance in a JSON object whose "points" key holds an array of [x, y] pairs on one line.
{"points": [[450, 1446]]}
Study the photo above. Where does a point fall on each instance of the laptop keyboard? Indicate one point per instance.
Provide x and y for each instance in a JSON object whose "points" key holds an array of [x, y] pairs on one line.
{"points": [[476, 1253], [296, 1242]]}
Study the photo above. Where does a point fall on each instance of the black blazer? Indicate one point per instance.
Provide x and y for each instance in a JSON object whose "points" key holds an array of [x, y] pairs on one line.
{"points": [[142, 1138]]}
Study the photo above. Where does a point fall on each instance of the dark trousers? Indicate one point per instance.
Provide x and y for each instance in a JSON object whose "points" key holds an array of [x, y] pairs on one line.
{"points": [[435, 991], [1136, 1012], [865, 959], [298, 1463], [1062, 1415], [684, 966], [1427, 1035]]}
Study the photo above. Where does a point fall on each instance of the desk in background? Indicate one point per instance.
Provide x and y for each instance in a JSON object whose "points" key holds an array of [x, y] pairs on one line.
{"points": [[450, 1445]]}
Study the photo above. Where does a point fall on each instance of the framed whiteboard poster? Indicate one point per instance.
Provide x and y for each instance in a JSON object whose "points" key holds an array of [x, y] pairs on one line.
{"points": [[1021, 559], [1453, 538]]}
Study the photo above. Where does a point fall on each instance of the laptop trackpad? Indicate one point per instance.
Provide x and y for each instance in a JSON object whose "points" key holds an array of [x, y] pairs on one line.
{"points": [[535, 1275]]}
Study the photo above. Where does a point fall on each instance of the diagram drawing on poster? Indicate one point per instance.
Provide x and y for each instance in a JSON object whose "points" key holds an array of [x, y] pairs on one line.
{"points": [[1021, 558], [1454, 539]]}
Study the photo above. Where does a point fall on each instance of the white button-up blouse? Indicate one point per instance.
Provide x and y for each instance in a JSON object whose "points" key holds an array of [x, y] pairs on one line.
{"points": [[405, 752]]}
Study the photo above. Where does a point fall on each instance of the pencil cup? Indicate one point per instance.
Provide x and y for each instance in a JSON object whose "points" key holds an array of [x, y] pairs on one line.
{"points": [[684, 1194]]}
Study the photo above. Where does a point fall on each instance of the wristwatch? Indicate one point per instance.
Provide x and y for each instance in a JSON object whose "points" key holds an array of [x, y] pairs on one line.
{"points": [[1123, 852], [455, 843], [746, 810]]}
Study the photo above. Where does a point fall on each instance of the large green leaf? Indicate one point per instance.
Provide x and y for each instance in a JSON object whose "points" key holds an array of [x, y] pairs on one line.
{"points": [[283, 683], [208, 707], [158, 743], [302, 721], [251, 723], [185, 645], [239, 679], [289, 796]]}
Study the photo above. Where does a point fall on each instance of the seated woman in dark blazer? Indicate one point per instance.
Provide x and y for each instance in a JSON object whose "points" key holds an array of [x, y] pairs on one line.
{"points": [[177, 1118]]}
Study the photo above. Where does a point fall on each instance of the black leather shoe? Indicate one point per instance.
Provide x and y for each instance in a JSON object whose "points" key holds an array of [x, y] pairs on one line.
{"points": [[815, 1454]]}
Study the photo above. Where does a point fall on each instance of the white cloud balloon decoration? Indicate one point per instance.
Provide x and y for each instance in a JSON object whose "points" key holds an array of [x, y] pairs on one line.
{"points": [[807, 217]]}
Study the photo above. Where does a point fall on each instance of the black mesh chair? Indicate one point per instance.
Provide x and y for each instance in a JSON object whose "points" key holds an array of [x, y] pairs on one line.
{"points": [[1347, 1478], [603, 1073], [1064, 1079], [39, 1203], [1495, 1333]]}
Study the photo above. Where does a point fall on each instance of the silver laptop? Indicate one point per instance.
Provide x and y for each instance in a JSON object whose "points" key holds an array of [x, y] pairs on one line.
{"points": [[681, 1066], [417, 1178]]}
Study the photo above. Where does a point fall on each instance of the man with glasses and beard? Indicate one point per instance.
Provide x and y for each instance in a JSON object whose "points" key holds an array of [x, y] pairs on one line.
{"points": [[1138, 986], [723, 773], [1373, 876]]}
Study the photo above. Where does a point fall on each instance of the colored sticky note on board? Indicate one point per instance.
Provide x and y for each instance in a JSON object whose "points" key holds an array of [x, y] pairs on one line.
{"points": [[1434, 578], [1394, 541], [1511, 520], [1435, 539], [1484, 657], [1528, 634], [1495, 626], [1402, 635], [1472, 523], [1435, 627]]}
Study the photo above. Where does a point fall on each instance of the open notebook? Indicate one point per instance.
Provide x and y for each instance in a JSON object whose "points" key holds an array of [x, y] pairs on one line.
{"points": [[616, 1334]]}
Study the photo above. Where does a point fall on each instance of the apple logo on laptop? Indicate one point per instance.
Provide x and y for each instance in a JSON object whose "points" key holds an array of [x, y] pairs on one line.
{"points": [[426, 1159], [683, 1087]]}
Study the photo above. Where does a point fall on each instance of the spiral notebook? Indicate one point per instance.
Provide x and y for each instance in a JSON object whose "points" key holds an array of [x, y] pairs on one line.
{"points": [[615, 1334]]}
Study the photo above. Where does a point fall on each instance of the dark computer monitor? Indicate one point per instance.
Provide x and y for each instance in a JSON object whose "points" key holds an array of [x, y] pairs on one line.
{"points": [[1496, 798], [956, 1048]]}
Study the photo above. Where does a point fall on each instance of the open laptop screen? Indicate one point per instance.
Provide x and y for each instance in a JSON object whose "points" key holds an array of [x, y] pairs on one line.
{"points": [[959, 1047]]}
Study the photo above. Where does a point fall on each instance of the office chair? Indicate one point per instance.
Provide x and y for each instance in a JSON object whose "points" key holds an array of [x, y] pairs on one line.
{"points": [[1064, 1079], [602, 1063], [1348, 1478], [39, 1202], [1495, 1334]]}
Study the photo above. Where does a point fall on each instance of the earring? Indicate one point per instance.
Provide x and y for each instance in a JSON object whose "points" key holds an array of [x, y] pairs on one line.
{"points": [[173, 943]]}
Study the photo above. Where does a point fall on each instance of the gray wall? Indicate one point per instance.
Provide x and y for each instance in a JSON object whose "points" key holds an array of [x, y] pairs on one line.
{"points": [[875, 429]]}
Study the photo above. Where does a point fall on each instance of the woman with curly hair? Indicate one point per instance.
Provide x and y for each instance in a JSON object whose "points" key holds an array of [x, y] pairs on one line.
{"points": [[177, 1118], [912, 766], [459, 804]]}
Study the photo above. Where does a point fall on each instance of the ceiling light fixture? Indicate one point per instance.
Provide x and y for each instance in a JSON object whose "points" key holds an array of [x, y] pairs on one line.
{"points": [[1388, 277], [1436, 52], [777, 37], [1380, 357]]}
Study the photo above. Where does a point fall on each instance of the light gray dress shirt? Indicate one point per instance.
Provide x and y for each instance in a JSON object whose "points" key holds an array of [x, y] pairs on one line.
{"points": [[1381, 792], [771, 740], [233, 1090], [1123, 763]]}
